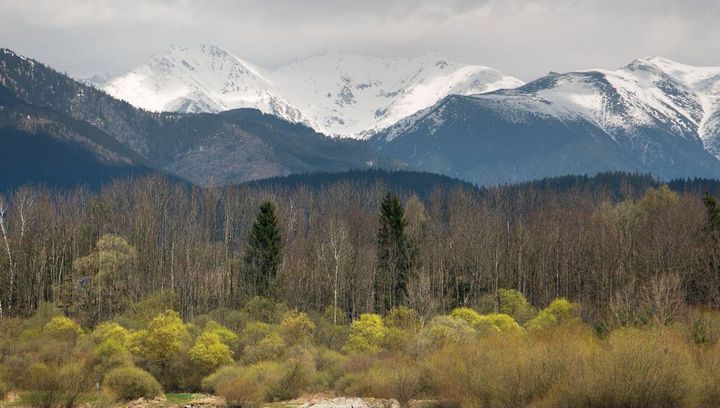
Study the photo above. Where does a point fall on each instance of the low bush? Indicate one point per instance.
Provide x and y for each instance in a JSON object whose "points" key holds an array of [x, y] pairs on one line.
{"points": [[129, 383]]}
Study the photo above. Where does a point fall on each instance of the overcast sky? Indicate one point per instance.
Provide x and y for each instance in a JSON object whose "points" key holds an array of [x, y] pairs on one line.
{"points": [[522, 38]]}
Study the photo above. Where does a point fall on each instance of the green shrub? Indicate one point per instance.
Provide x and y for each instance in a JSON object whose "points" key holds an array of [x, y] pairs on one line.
{"points": [[63, 328], [366, 334], [209, 384], [497, 323], [558, 311], [296, 327], [263, 310], [513, 303], [269, 348], [446, 330], [129, 383], [404, 318], [209, 352], [467, 314], [109, 355]]}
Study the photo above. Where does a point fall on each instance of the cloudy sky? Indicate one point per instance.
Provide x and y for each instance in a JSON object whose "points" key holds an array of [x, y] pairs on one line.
{"points": [[522, 38]]}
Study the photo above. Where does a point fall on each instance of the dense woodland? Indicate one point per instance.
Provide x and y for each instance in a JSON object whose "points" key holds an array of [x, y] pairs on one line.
{"points": [[604, 246], [569, 292]]}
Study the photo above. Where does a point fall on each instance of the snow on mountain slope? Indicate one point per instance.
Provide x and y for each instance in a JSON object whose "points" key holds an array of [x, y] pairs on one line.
{"points": [[346, 94], [648, 92], [337, 94], [204, 79], [652, 115]]}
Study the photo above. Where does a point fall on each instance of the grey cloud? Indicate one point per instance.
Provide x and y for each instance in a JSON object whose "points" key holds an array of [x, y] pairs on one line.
{"points": [[523, 38]]}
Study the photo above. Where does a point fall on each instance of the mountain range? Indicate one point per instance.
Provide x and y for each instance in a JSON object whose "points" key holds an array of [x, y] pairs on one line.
{"points": [[336, 94], [206, 116]]}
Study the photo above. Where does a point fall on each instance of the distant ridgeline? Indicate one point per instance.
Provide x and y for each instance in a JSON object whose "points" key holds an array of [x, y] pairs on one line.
{"points": [[619, 185]]}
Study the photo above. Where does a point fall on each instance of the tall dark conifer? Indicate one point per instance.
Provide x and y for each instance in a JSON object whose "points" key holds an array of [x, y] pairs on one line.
{"points": [[263, 251], [394, 256]]}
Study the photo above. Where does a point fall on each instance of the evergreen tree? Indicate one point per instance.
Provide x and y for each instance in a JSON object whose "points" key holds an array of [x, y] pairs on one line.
{"points": [[262, 253], [394, 256]]}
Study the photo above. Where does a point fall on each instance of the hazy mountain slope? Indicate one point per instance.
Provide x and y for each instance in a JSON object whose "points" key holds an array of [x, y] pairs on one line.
{"points": [[638, 118], [40, 146], [231, 147], [336, 94]]}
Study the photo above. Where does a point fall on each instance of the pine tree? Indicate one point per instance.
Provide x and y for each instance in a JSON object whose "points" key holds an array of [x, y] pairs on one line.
{"points": [[263, 251], [394, 256]]}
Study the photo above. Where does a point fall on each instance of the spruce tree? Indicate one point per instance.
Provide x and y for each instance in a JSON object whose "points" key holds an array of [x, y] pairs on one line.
{"points": [[263, 251], [394, 260]]}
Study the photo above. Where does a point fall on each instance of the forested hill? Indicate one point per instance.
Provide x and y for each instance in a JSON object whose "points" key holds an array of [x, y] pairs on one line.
{"points": [[618, 185], [399, 181], [615, 185]]}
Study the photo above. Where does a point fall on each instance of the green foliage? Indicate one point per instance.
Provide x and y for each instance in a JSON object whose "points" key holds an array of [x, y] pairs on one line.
{"points": [[468, 315], [394, 255], [269, 347], [404, 318], [104, 278], [447, 330], [488, 323], [558, 311], [164, 339], [296, 328], [366, 334], [110, 331], [227, 336], [108, 355], [514, 303], [63, 328], [129, 383], [263, 309], [498, 322], [262, 252], [209, 352]]}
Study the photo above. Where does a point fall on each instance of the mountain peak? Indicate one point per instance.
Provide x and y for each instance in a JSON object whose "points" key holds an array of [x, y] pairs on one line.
{"points": [[337, 93]]}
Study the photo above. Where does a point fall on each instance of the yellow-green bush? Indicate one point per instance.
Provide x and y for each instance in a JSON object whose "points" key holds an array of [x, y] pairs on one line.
{"points": [[63, 328], [558, 311], [226, 335], [366, 334], [209, 352], [128, 383], [111, 331], [404, 318], [296, 328], [446, 330], [498, 323], [270, 347], [514, 303], [108, 355]]}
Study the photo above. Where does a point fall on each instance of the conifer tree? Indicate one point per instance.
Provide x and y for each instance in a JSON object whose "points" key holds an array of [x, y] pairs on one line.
{"points": [[393, 256], [263, 251]]}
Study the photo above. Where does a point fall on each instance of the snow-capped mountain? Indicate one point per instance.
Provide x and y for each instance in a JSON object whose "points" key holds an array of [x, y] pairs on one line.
{"points": [[204, 79], [336, 94], [652, 115], [350, 95]]}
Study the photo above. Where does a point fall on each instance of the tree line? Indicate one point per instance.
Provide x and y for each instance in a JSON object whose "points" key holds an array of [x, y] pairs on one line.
{"points": [[636, 256]]}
